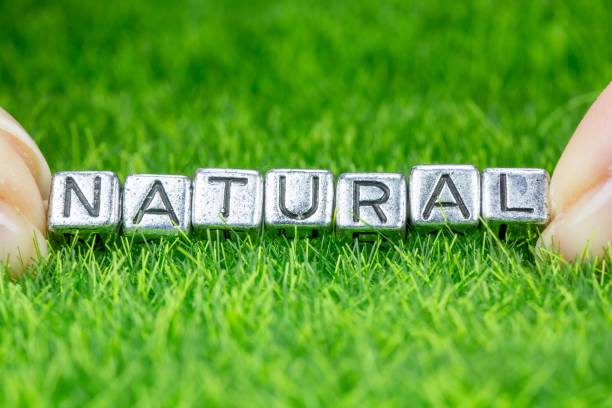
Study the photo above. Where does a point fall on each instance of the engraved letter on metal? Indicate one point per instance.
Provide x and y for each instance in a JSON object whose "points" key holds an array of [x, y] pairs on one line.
{"points": [[445, 179], [375, 204], [314, 203], [71, 185], [156, 188], [242, 181], [503, 197]]}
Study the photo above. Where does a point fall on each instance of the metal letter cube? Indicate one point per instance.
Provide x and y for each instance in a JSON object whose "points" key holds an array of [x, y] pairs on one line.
{"points": [[299, 201], [84, 201], [368, 204], [227, 200], [156, 205], [444, 195], [515, 199]]}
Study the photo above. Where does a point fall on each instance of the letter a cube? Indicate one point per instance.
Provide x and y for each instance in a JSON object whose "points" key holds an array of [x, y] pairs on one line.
{"points": [[156, 205], [444, 195]]}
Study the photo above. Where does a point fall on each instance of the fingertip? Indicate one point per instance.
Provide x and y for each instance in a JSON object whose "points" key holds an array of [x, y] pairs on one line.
{"points": [[583, 228], [21, 243]]}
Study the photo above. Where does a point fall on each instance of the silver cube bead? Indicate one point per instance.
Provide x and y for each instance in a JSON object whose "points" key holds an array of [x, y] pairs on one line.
{"points": [[444, 195], [515, 199], [84, 201], [299, 201], [368, 204], [156, 205], [227, 200]]}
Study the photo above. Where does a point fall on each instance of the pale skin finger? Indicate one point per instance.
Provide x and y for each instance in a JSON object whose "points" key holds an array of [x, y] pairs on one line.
{"points": [[18, 188], [24, 189], [581, 187], [12, 132], [20, 241]]}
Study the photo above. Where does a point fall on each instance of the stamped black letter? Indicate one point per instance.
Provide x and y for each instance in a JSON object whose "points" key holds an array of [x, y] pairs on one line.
{"points": [[242, 181], [156, 188], [375, 204], [445, 179], [314, 203], [503, 197], [71, 185]]}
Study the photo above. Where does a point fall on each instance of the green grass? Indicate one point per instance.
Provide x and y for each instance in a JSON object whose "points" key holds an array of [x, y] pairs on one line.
{"points": [[436, 320]]}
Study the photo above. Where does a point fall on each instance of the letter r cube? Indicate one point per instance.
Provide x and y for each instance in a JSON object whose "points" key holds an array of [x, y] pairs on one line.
{"points": [[368, 204]]}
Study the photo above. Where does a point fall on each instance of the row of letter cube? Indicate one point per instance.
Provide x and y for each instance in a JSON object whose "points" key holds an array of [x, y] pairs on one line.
{"points": [[299, 201]]}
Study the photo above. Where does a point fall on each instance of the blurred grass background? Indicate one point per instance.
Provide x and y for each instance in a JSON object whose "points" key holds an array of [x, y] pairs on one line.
{"points": [[166, 87], [134, 86]]}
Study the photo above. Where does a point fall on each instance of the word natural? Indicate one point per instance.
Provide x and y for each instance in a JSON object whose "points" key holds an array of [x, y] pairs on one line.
{"points": [[299, 202]]}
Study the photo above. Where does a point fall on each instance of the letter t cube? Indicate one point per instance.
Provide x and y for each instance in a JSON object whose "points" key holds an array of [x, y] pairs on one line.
{"points": [[228, 200]]}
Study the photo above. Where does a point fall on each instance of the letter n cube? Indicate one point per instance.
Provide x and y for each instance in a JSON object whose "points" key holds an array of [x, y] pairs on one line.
{"points": [[86, 202]]}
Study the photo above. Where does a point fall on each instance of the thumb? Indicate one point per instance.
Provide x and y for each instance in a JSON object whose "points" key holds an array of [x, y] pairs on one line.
{"points": [[581, 187]]}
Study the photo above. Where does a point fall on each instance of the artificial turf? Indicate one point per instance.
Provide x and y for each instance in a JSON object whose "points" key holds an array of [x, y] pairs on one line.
{"points": [[434, 320]]}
